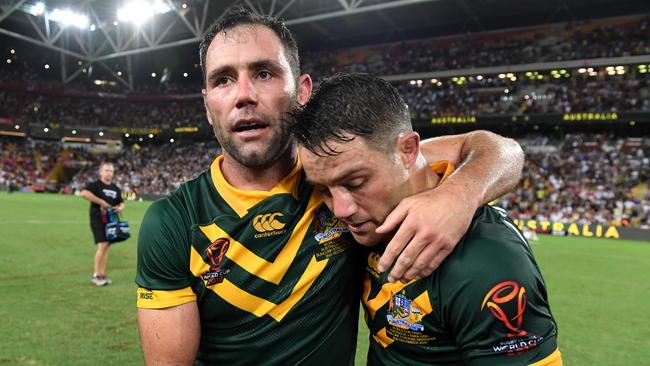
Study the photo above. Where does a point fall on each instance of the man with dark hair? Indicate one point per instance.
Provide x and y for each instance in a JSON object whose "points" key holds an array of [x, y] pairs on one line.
{"points": [[486, 304], [103, 195], [244, 264]]}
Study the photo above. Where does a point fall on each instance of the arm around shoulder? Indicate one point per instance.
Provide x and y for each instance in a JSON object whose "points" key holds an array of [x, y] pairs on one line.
{"points": [[488, 165], [430, 223]]}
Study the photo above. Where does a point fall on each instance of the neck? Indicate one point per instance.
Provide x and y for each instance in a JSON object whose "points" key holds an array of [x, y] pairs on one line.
{"points": [[422, 177], [257, 179], [105, 181]]}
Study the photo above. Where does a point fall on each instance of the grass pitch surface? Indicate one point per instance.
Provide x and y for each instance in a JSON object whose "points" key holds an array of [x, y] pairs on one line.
{"points": [[51, 314]]}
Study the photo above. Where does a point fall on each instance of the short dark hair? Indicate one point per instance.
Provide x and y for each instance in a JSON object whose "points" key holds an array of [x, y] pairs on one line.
{"points": [[238, 16], [357, 104]]}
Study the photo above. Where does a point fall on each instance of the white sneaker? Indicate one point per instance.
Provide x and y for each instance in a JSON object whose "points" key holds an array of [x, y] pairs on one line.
{"points": [[100, 280]]}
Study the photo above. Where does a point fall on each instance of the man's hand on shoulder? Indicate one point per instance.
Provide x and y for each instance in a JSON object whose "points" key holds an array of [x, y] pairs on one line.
{"points": [[429, 225]]}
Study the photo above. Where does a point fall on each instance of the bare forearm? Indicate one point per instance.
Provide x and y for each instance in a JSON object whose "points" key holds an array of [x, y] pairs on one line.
{"points": [[491, 166], [487, 165], [88, 195], [430, 223]]}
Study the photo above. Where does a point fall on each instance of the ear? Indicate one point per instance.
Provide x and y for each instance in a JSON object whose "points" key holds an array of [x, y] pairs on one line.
{"points": [[305, 86], [204, 94], [408, 148]]}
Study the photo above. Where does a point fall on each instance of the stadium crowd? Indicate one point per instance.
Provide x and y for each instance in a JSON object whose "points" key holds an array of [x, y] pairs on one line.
{"points": [[586, 179], [578, 92], [580, 178], [549, 43], [99, 112], [562, 42], [25, 162], [153, 169]]}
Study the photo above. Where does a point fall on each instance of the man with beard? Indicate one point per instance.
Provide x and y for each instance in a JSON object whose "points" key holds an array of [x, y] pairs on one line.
{"points": [[244, 264]]}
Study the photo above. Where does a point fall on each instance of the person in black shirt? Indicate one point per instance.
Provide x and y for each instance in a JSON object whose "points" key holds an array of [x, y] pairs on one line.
{"points": [[103, 194]]}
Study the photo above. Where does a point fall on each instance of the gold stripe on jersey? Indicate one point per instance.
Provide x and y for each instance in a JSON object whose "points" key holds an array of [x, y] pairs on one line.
{"points": [[382, 338], [385, 294], [241, 200], [554, 359], [254, 304], [272, 272], [158, 299], [269, 271]]}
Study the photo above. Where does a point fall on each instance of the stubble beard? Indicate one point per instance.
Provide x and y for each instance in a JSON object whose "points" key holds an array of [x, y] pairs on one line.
{"points": [[276, 147]]}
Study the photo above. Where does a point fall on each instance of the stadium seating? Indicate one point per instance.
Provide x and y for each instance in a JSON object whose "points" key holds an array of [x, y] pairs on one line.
{"points": [[576, 178]]}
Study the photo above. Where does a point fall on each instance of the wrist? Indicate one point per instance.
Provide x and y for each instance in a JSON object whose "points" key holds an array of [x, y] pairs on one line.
{"points": [[465, 193]]}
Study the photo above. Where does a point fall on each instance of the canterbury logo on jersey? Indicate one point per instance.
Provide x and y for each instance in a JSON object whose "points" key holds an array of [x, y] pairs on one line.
{"points": [[268, 225]]}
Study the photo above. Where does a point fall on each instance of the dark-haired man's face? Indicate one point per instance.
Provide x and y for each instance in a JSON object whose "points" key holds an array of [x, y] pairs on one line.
{"points": [[361, 185], [249, 89]]}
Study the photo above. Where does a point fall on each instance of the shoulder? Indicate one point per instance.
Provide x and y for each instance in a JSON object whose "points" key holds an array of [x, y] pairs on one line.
{"points": [[165, 211], [492, 248], [178, 208], [92, 185]]}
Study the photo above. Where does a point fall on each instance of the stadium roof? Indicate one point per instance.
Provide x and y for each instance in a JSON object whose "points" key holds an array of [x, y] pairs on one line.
{"points": [[168, 28]]}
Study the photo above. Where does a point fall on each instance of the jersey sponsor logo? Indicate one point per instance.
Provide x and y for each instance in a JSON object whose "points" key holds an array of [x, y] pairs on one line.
{"points": [[109, 193], [216, 252], [402, 313], [268, 225], [507, 302]]}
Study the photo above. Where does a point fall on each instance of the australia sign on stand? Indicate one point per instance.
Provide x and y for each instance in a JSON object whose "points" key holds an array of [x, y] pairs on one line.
{"points": [[584, 230]]}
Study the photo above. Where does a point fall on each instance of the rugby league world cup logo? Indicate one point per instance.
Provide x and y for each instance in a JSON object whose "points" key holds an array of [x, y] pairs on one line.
{"points": [[216, 253], [507, 302]]}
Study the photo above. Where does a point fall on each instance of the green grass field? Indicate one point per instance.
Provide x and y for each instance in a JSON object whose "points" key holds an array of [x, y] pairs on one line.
{"points": [[52, 315]]}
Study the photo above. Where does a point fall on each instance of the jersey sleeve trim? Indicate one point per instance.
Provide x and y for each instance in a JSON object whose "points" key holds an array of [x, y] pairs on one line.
{"points": [[159, 299], [554, 359]]}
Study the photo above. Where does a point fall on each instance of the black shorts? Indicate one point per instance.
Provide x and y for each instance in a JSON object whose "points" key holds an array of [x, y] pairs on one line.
{"points": [[98, 228]]}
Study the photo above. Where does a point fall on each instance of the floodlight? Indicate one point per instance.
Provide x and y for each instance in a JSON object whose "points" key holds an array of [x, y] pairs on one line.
{"points": [[68, 17], [38, 9], [139, 11], [136, 12]]}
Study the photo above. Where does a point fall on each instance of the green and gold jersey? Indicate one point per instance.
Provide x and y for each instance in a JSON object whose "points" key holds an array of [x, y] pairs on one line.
{"points": [[485, 305], [274, 274]]}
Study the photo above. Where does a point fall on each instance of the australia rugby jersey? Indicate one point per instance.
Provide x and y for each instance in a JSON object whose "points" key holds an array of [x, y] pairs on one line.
{"points": [[274, 274]]}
